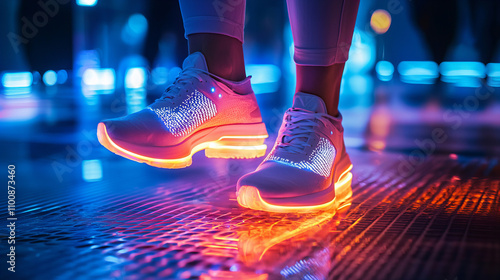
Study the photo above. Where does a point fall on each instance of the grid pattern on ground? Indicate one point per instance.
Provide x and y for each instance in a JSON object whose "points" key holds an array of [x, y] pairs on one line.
{"points": [[441, 220]]}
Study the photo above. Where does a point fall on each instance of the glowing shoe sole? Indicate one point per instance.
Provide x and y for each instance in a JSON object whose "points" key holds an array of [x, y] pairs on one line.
{"points": [[225, 145], [249, 197]]}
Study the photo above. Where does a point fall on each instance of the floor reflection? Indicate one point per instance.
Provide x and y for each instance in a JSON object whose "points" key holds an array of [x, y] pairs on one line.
{"points": [[221, 240]]}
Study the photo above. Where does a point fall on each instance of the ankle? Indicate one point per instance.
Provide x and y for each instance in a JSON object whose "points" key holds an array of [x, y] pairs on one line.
{"points": [[334, 112], [322, 81], [224, 54]]}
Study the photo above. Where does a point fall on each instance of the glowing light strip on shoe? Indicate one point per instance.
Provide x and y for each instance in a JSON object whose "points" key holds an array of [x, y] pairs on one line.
{"points": [[196, 149], [343, 173], [237, 137], [215, 145], [263, 205]]}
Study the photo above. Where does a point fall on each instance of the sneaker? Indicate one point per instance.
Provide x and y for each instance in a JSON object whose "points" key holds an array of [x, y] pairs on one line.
{"points": [[199, 111], [308, 168]]}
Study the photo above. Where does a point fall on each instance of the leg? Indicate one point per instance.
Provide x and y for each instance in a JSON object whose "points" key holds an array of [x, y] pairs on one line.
{"points": [[308, 168], [322, 32], [210, 106], [215, 28]]}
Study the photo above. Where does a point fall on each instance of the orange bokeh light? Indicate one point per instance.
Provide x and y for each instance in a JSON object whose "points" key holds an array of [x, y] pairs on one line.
{"points": [[380, 21]]}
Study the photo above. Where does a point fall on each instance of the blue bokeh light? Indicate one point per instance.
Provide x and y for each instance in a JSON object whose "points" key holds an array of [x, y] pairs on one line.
{"points": [[17, 79], [265, 77], [418, 72], [462, 73], [98, 79], [135, 29], [50, 78], [62, 76], [136, 77], [385, 70], [92, 170], [86, 2], [159, 75], [493, 70]]}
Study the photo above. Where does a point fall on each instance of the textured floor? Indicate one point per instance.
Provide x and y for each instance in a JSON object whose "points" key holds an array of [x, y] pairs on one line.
{"points": [[436, 219]]}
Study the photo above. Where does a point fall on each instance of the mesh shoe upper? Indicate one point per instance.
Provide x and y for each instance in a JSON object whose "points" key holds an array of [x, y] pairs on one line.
{"points": [[191, 113]]}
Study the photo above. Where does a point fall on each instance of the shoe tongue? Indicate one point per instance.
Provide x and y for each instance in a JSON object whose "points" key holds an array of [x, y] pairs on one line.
{"points": [[195, 60], [309, 102]]}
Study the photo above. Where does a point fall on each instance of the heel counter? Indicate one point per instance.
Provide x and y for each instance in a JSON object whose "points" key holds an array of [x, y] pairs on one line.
{"points": [[255, 113], [343, 162], [246, 98]]}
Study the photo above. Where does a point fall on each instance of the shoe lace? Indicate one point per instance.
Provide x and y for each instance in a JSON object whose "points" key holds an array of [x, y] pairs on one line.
{"points": [[185, 77], [300, 124]]}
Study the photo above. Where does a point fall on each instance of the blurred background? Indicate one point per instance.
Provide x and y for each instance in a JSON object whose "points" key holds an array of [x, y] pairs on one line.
{"points": [[423, 76]]}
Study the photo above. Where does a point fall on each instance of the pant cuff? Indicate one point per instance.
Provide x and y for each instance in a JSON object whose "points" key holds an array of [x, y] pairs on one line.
{"points": [[207, 24], [321, 57]]}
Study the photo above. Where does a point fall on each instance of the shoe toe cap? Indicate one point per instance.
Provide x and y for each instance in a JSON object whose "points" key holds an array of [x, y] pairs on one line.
{"points": [[137, 128], [276, 180]]}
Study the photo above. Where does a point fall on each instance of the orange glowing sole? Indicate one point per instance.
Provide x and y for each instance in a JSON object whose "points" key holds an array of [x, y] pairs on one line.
{"points": [[227, 146], [249, 197]]}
